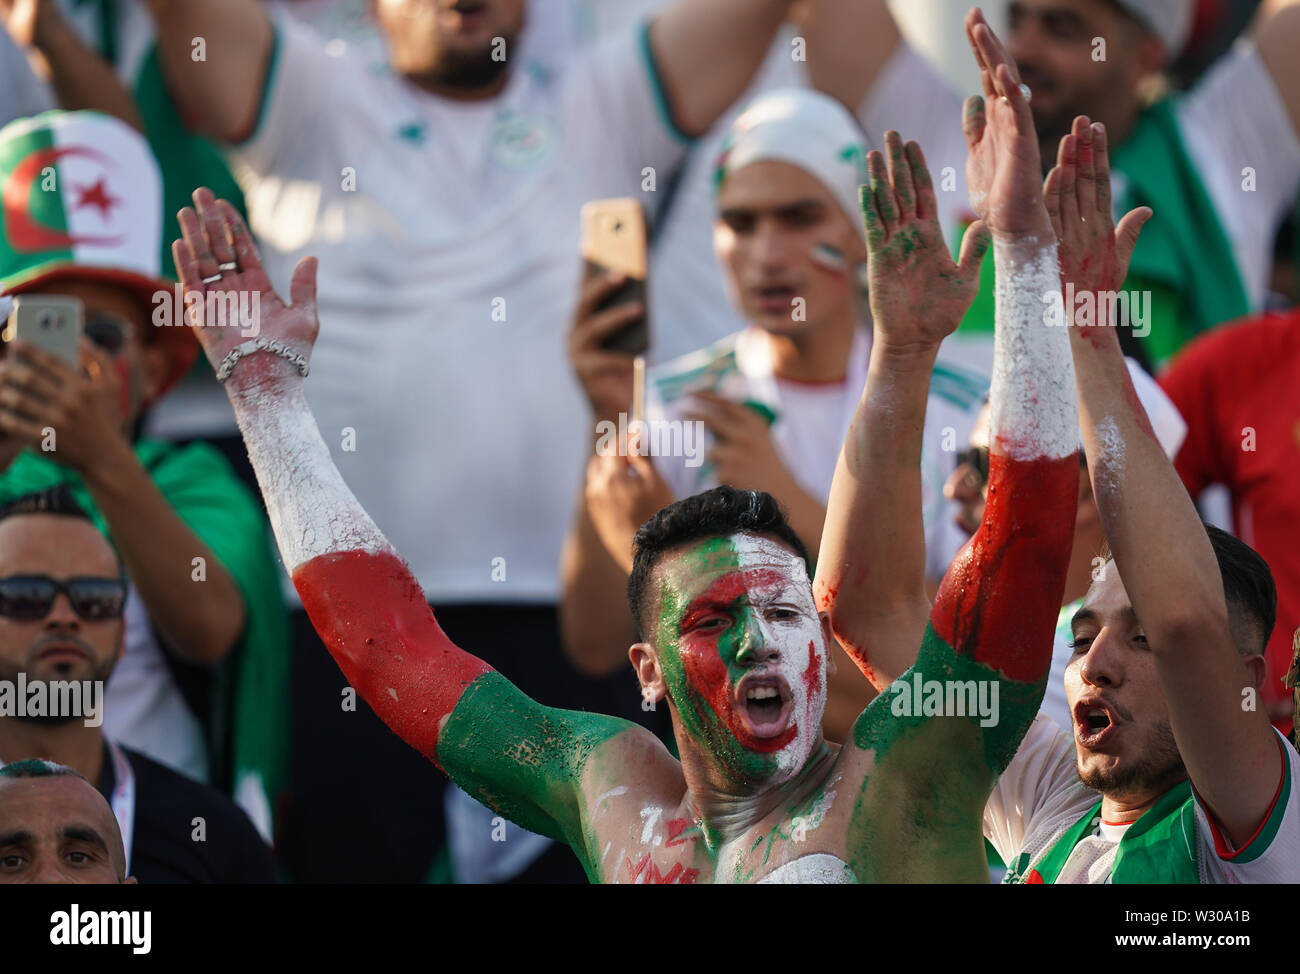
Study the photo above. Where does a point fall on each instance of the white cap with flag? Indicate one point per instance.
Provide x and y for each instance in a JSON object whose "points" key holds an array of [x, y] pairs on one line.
{"points": [[1170, 20]]}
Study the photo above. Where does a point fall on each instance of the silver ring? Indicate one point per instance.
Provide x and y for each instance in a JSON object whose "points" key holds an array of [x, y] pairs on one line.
{"points": [[234, 266], [212, 280], [1026, 92]]}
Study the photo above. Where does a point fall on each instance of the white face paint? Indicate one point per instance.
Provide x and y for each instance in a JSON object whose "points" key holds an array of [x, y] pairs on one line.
{"points": [[752, 653]]}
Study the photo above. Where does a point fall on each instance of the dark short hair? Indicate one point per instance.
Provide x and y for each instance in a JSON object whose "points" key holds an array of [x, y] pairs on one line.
{"points": [[1249, 589], [716, 513], [52, 500], [39, 768]]}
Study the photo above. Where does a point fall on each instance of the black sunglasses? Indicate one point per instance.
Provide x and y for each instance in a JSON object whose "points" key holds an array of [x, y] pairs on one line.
{"points": [[106, 331], [30, 597]]}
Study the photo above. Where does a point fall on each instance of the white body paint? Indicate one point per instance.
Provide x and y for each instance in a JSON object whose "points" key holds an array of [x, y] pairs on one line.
{"points": [[311, 509], [820, 867], [1033, 411]]}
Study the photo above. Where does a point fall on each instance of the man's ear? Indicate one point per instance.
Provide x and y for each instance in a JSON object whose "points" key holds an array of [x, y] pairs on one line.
{"points": [[1257, 669], [828, 639], [1087, 504], [646, 663]]}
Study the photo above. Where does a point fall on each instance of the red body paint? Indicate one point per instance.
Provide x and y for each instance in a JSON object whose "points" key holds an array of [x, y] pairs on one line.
{"points": [[372, 616], [678, 874], [1022, 548]]}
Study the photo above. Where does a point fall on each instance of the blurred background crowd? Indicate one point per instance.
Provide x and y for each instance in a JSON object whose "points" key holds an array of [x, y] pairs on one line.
{"points": [[436, 156]]}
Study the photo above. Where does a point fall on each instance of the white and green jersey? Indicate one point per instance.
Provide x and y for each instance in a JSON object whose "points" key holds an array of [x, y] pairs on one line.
{"points": [[1048, 827], [808, 423]]}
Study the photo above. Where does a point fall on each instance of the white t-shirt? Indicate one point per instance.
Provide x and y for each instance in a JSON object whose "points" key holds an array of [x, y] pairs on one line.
{"points": [[810, 422], [144, 708], [448, 238], [1039, 798], [1233, 119]]}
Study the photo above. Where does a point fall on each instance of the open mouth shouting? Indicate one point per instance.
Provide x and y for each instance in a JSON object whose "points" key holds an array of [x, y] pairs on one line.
{"points": [[765, 707], [1095, 722]]}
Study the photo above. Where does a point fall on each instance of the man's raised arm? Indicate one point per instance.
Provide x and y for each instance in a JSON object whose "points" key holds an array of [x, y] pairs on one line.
{"points": [[215, 57], [516, 756], [708, 53], [1000, 597], [871, 569], [1160, 546]]}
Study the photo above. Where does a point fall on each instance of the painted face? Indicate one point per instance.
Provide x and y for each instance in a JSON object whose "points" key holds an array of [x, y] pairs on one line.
{"points": [[1122, 734], [774, 220], [743, 653]]}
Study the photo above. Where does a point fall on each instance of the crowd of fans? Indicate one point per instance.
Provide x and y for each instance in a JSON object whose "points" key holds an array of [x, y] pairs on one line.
{"points": [[435, 156]]}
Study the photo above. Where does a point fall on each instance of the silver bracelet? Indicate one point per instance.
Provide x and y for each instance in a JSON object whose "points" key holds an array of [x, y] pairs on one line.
{"points": [[260, 345]]}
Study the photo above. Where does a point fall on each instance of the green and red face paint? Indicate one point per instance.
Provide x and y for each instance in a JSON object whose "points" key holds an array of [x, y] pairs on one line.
{"points": [[742, 650]]}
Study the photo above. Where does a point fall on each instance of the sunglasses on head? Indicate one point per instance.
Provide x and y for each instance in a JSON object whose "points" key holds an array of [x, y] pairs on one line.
{"points": [[30, 597]]}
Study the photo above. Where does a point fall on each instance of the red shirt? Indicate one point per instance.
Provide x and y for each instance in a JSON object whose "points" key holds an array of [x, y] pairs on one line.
{"points": [[1238, 387]]}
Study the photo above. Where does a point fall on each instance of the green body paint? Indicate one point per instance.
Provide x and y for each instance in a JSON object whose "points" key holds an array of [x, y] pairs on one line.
{"points": [[932, 776]]}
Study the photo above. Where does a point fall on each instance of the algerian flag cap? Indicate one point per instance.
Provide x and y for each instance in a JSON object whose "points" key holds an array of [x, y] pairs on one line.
{"points": [[81, 190], [82, 199]]}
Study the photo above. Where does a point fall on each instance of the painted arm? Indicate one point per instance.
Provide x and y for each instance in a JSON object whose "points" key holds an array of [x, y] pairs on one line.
{"points": [[707, 54], [849, 43], [985, 653], [1000, 598], [1276, 32], [871, 574], [1160, 546], [82, 80], [220, 92], [520, 758]]}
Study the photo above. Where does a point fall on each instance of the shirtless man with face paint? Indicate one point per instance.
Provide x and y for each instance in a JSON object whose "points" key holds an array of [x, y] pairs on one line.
{"points": [[728, 616]]}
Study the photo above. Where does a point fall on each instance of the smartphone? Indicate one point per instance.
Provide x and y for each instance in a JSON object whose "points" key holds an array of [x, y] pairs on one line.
{"points": [[51, 322], [614, 239]]}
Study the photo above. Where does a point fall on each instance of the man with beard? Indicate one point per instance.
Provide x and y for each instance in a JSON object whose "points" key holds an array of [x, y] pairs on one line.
{"points": [[1218, 164], [62, 596], [1195, 785], [444, 197]]}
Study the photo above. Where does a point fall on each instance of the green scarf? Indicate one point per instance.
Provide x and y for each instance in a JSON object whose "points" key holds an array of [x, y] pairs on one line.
{"points": [[1158, 848], [1183, 258]]}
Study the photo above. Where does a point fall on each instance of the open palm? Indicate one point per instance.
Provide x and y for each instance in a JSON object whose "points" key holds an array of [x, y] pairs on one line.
{"points": [[213, 237], [1004, 168], [918, 293]]}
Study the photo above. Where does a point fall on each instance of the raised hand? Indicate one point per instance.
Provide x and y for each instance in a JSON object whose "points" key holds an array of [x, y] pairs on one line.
{"points": [[216, 243], [1004, 168], [1094, 254], [918, 294]]}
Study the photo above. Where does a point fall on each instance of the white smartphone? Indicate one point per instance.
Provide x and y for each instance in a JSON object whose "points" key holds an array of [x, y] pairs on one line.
{"points": [[51, 322]]}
